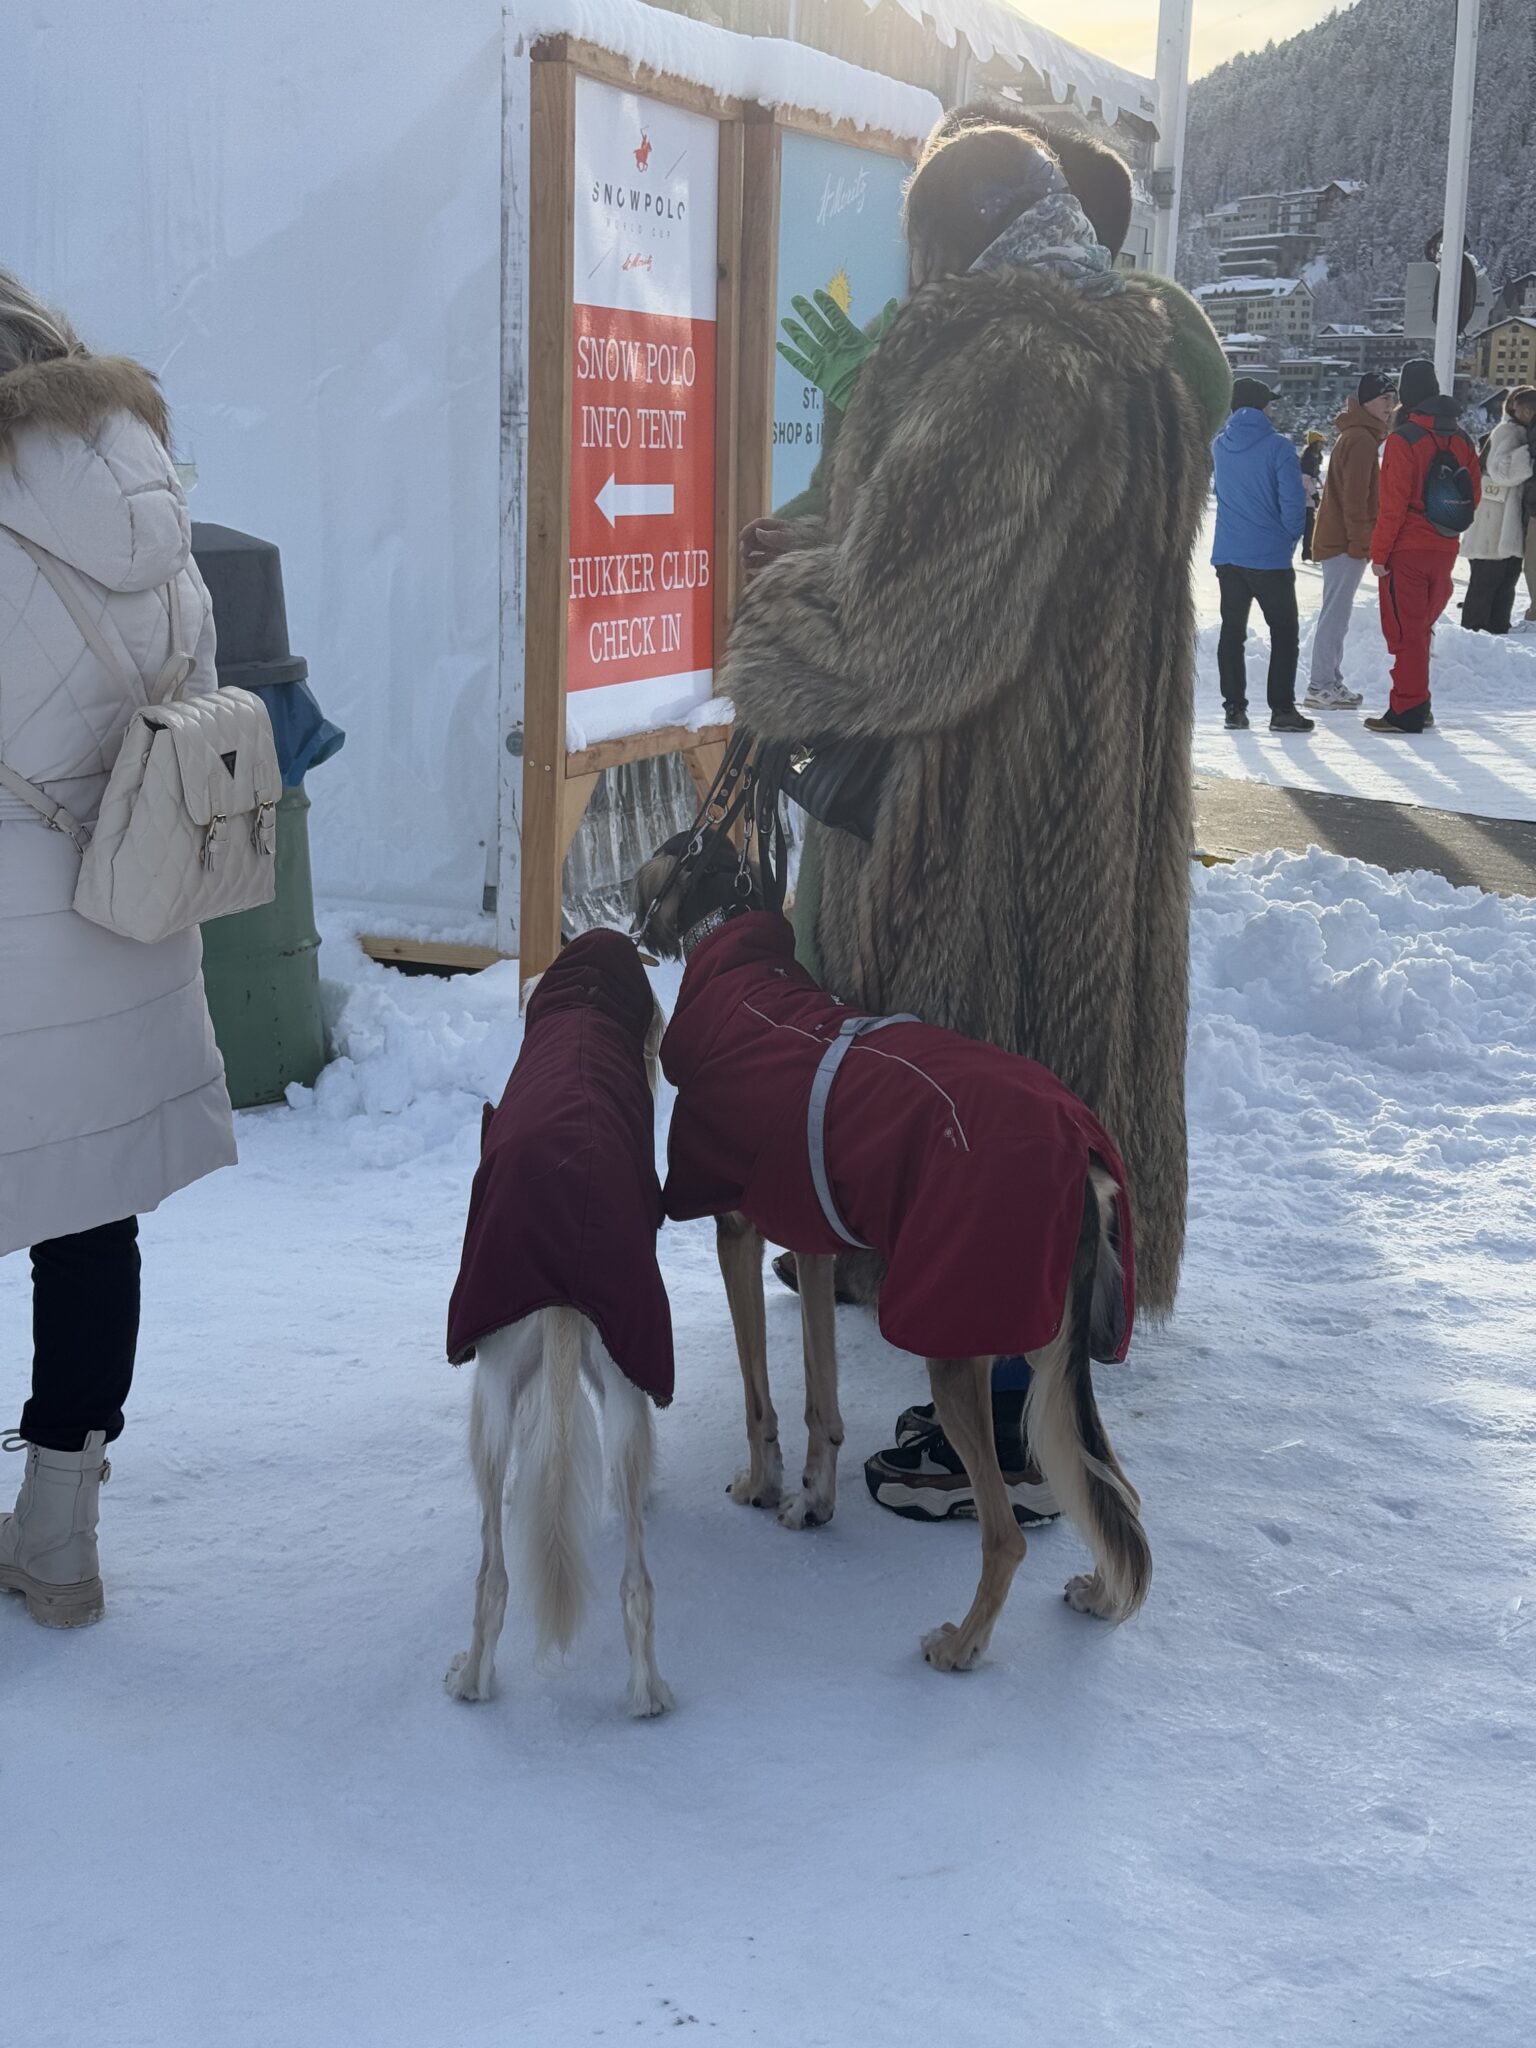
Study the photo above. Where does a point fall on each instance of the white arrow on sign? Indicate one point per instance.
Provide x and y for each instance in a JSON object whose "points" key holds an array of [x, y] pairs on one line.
{"points": [[618, 501]]}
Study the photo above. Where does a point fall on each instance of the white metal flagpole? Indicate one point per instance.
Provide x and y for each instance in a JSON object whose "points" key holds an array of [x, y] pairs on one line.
{"points": [[1175, 21], [1457, 170]]}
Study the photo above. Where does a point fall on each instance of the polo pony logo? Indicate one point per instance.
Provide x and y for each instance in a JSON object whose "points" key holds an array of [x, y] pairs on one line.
{"points": [[643, 153]]}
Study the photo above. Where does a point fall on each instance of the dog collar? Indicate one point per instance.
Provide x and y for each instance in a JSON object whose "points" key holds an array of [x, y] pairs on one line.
{"points": [[707, 926]]}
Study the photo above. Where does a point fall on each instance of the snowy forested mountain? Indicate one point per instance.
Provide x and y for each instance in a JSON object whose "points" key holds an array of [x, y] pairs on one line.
{"points": [[1366, 94]]}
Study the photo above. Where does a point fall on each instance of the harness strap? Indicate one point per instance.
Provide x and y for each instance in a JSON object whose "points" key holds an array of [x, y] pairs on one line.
{"points": [[816, 1117]]}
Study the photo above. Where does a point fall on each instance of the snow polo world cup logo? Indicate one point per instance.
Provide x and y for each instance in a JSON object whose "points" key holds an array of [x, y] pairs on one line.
{"points": [[643, 153]]}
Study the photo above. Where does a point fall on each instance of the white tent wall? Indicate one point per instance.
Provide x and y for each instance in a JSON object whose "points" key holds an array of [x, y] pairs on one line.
{"points": [[292, 212]]}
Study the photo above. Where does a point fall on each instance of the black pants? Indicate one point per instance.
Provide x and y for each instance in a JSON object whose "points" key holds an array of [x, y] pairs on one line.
{"points": [[85, 1331], [1274, 591], [1306, 538], [1489, 605]]}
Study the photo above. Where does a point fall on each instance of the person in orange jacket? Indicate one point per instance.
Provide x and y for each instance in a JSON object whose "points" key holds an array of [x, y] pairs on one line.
{"points": [[1412, 554]]}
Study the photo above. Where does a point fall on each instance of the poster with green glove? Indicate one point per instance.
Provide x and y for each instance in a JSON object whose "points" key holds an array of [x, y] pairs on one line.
{"points": [[841, 254]]}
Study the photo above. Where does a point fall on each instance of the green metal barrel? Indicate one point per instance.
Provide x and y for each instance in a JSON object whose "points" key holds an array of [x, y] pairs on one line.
{"points": [[262, 973]]}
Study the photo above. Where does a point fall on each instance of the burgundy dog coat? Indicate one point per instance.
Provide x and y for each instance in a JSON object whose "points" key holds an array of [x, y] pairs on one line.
{"points": [[566, 1203], [964, 1166]]}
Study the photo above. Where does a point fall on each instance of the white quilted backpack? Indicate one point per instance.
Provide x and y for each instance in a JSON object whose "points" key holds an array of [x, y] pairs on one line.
{"points": [[187, 828]]}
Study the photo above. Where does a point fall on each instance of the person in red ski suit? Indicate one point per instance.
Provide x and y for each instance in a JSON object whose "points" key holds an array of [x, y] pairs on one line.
{"points": [[1411, 558]]}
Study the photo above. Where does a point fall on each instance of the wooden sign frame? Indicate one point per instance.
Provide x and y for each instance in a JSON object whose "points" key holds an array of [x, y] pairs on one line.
{"points": [[558, 781]]}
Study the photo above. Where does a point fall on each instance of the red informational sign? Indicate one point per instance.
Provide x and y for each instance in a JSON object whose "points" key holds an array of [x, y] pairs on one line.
{"points": [[642, 498], [640, 627]]}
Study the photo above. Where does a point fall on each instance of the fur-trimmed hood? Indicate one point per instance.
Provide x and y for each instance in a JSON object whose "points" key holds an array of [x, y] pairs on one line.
{"points": [[85, 471], [73, 395]]}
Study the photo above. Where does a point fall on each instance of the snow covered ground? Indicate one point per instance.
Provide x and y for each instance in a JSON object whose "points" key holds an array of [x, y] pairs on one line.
{"points": [[1479, 759], [1293, 1801]]}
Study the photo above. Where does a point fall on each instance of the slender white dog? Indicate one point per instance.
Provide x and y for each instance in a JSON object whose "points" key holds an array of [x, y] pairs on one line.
{"points": [[559, 1295]]}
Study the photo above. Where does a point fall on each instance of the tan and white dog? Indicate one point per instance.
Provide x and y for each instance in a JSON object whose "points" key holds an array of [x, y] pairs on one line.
{"points": [[991, 1193]]}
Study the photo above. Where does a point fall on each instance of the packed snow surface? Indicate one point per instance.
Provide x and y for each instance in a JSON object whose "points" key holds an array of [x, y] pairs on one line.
{"points": [[1479, 758], [1291, 1802]]}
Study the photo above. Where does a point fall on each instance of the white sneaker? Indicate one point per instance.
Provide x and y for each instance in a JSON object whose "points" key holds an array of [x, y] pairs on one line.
{"points": [[1332, 697], [48, 1545]]}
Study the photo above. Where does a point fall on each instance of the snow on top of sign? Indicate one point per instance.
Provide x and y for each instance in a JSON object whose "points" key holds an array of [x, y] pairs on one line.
{"points": [[757, 68], [998, 28]]}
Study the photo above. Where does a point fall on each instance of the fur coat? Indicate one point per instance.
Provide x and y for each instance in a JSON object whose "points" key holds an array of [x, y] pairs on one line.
{"points": [[1002, 589], [111, 1086]]}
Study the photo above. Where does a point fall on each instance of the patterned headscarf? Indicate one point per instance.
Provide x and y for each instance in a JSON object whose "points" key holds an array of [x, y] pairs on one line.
{"points": [[1052, 232]]}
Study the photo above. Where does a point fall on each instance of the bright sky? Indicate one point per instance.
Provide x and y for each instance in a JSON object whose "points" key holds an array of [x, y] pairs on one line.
{"points": [[1126, 30]]}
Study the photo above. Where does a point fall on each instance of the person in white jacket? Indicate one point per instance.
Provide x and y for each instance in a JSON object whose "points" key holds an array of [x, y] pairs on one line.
{"points": [[1494, 543], [111, 1086]]}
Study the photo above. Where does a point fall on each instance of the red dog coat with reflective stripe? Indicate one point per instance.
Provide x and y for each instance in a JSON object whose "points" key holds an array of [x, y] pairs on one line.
{"points": [[566, 1202], [964, 1166]]}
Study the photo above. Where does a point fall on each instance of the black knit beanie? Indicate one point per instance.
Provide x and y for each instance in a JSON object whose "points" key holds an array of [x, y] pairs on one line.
{"points": [[1417, 385]]}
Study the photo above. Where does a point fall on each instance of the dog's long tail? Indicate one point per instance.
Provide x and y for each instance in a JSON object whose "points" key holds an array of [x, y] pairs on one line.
{"points": [[1066, 1434], [557, 1493]]}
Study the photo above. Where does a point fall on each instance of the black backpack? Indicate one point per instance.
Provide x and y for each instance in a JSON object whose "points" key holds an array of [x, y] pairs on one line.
{"points": [[1449, 499]]}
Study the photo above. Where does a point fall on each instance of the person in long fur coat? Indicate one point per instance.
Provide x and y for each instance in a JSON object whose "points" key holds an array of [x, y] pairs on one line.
{"points": [[1001, 589]]}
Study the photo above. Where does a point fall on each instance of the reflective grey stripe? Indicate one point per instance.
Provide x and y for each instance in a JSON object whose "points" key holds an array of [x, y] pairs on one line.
{"points": [[816, 1119]]}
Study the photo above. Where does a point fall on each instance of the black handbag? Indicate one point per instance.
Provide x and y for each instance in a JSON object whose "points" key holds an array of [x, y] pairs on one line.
{"points": [[835, 781]]}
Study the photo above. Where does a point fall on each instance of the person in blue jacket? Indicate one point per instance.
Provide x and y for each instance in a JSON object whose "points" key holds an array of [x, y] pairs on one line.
{"points": [[1261, 513]]}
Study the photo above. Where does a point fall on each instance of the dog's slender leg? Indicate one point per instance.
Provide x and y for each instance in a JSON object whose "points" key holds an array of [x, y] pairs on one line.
{"points": [[627, 1426], [962, 1393], [740, 1250], [505, 1360], [817, 1499]]}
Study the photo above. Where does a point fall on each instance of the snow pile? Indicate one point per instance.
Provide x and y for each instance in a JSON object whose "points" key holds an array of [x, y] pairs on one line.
{"points": [[1332, 998], [414, 1056], [760, 69], [1320, 988]]}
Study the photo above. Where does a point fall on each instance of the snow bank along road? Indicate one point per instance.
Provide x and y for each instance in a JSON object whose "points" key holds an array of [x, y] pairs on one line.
{"points": [[1292, 1802]]}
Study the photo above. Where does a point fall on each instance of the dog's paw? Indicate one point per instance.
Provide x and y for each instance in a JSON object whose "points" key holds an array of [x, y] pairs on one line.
{"points": [[805, 1511], [944, 1648], [749, 1490], [462, 1678], [1086, 1593], [650, 1697]]}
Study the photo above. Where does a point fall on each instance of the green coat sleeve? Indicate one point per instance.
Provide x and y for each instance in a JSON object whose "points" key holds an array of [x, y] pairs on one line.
{"points": [[1197, 351], [812, 501]]}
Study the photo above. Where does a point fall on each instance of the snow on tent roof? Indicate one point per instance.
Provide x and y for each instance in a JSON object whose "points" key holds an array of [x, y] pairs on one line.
{"points": [[999, 28], [776, 73], [759, 68]]}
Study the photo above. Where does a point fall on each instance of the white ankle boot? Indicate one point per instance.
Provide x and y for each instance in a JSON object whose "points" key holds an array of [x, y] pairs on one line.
{"points": [[48, 1546]]}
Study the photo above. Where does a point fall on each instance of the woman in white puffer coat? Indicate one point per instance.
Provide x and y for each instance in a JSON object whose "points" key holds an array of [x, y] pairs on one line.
{"points": [[1495, 541], [111, 1086]]}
